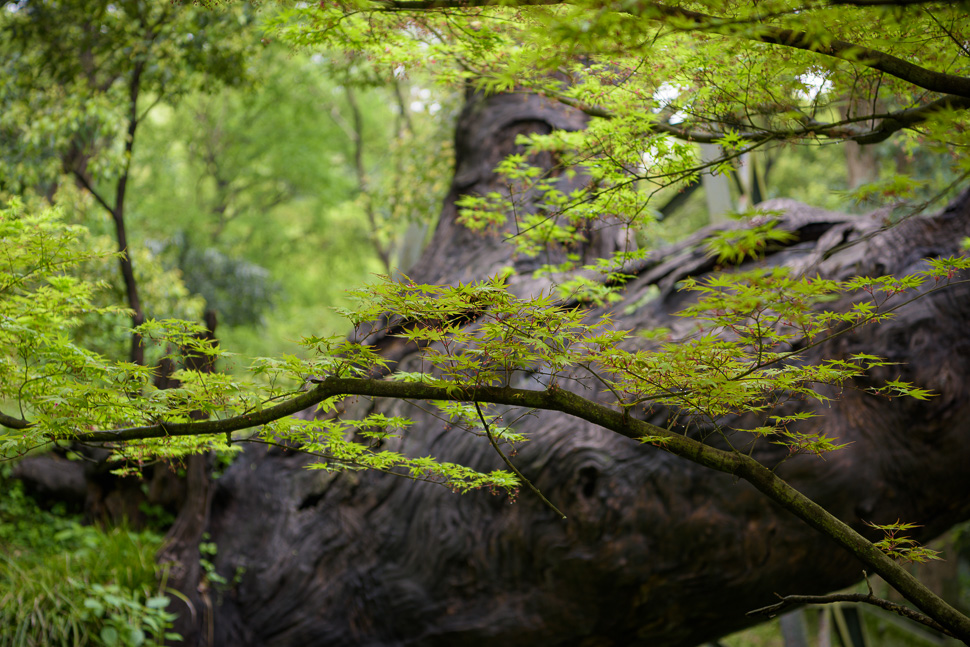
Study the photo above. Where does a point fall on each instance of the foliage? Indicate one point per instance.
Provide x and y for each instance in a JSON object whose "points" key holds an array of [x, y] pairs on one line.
{"points": [[754, 327], [110, 58], [733, 246], [752, 369], [73, 70], [900, 546], [69, 388], [244, 163], [238, 290], [162, 289], [233, 180], [237, 185], [657, 79], [63, 583]]}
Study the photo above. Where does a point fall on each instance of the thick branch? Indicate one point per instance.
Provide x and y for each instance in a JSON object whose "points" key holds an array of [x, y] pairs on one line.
{"points": [[871, 58], [895, 121], [889, 123], [843, 50], [840, 49], [555, 399], [422, 5], [883, 3], [13, 423]]}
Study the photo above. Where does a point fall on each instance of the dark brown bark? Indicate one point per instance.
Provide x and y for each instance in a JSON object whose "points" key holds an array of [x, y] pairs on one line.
{"points": [[181, 557], [180, 554], [655, 550], [77, 159], [137, 353], [78, 162]]}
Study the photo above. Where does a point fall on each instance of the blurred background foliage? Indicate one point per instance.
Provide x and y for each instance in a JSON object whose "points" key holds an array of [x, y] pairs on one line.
{"points": [[266, 180]]}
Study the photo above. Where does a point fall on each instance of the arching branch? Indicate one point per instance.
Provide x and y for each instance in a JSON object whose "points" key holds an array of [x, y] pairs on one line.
{"points": [[688, 20], [555, 399]]}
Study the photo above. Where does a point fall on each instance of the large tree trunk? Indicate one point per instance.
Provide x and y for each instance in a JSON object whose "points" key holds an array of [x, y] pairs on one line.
{"points": [[655, 550]]}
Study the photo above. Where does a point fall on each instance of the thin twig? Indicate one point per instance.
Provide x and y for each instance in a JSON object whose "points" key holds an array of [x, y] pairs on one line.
{"points": [[772, 610], [491, 439]]}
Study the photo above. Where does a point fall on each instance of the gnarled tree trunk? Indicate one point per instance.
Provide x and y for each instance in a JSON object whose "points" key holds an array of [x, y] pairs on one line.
{"points": [[655, 550]]}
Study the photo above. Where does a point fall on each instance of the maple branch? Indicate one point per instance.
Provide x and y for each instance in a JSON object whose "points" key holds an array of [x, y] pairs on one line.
{"points": [[893, 121], [511, 466], [882, 3], [840, 49], [889, 123], [13, 423], [556, 399], [694, 20]]}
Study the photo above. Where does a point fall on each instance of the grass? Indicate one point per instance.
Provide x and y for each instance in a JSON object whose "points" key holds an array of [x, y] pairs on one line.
{"points": [[63, 583]]}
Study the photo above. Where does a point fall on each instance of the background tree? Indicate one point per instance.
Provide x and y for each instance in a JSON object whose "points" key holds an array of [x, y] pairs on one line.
{"points": [[230, 129], [94, 74], [264, 178]]}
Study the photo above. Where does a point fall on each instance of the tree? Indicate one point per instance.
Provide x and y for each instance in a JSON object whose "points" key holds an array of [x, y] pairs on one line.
{"points": [[94, 73], [654, 551], [216, 177], [721, 401]]}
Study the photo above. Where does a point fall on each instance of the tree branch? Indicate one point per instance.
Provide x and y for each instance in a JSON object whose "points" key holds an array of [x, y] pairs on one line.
{"points": [[882, 3], [84, 182], [555, 399], [137, 352], [889, 123], [772, 610], [893, 121], [515, 470], [842, 50], [13, 423], [950, 34]]}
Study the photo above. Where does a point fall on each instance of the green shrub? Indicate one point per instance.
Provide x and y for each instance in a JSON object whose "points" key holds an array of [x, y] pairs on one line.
{"points": [[62, 583]]}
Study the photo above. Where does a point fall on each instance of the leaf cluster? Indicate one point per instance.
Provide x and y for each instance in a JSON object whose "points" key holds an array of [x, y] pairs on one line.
{"points": [[478, 344], [659, 78], [745, 355], [72, 66], [899, 546]]}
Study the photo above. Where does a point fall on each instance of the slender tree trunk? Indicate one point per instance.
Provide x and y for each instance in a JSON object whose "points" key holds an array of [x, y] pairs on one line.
{"points": [[137, 352], [363, 181]]}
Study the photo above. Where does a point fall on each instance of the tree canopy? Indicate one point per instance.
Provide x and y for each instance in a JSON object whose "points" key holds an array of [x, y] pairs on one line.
{"points": [[647, 82], [659, 77]]}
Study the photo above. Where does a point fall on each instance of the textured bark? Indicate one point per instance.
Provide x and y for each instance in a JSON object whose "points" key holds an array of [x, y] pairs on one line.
{"points": [[655, 550], [180, 553]]}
